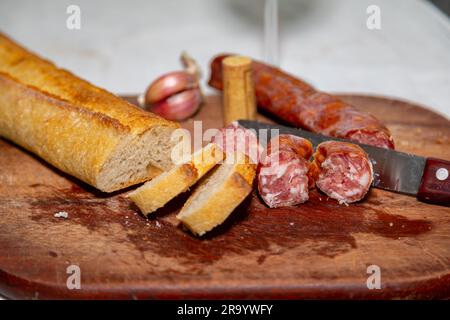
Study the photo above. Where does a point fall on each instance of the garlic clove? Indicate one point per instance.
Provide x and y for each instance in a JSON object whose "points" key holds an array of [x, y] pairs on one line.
{"points": [[168, 85], [179, 106]]}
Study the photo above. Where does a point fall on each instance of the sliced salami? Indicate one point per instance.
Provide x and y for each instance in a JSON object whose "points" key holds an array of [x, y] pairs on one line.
{"points": [[342, 171], [283, 171], [234, 139]]}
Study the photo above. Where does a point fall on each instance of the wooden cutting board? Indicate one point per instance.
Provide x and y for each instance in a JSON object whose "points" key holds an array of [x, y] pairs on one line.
{"points": [[317, 250]]}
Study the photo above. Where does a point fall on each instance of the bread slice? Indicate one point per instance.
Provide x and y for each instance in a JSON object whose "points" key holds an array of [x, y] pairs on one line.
{"points": [[218, 195], [157, 192], [79, 128]]}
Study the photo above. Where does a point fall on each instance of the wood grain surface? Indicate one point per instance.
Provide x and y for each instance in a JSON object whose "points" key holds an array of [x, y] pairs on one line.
{"points": [[317, 250]]}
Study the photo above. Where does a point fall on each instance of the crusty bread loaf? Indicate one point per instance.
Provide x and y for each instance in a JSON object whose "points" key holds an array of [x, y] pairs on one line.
{"points": [[79, 128], [157, 192], [217, 196]]}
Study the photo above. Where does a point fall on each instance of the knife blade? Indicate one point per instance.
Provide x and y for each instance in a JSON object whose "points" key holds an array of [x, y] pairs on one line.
{"points": [[426, 178]]}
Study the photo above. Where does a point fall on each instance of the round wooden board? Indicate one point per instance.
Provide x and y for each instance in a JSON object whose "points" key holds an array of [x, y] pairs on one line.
{"points": [[316, 250]]}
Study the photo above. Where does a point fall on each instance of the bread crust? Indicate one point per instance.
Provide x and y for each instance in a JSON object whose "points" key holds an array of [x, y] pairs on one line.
{"points": [[156, 193], [169, 185], [65, 120], [221, 201]]}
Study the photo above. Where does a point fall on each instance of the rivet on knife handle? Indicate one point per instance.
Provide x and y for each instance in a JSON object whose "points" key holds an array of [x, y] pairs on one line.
{"points": [[435, 185]]}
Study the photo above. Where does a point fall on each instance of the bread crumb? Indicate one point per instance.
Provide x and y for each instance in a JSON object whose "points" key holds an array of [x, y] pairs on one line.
{"points": [[158, 225], [291, 223], [61, 214], [342, 202], [391, 224]]}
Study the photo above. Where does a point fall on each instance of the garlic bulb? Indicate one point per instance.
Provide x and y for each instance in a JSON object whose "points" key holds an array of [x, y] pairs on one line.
{"points": [[175, 95]]}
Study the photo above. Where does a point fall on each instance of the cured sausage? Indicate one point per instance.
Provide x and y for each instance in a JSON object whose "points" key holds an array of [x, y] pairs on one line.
{"points": [[299, 104], [283, 172], [234, 138], [342, 171]]}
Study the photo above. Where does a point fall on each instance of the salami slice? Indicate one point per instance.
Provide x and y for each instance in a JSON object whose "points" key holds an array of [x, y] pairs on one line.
{"points": [[233, 139], [342, 171], [301, 105], [283, 171]]}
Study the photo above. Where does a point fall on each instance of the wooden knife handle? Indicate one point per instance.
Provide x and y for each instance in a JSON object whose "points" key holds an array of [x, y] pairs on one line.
{"points": [[435, 185]]}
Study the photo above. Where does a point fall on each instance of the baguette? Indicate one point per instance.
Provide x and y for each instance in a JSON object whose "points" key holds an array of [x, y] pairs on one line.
{"points": [[80, 129], [218, 195], [157, 192]]}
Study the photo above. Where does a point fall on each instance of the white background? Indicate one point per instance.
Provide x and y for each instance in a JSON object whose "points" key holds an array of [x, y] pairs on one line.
{"points": [[123, 45]]}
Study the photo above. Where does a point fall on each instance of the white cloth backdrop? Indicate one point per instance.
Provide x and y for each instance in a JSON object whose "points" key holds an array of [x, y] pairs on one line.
{"points": [[123, 45]]}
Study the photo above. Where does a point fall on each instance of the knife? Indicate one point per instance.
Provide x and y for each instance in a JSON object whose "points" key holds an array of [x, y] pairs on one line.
{"points": [[426, 178]]}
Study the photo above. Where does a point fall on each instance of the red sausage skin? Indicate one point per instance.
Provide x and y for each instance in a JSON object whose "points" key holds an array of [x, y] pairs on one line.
{"points": [[299, 104]]}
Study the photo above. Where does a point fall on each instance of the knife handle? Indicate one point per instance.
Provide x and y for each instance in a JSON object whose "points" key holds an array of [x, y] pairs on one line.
{"points": [[435, 184]]}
